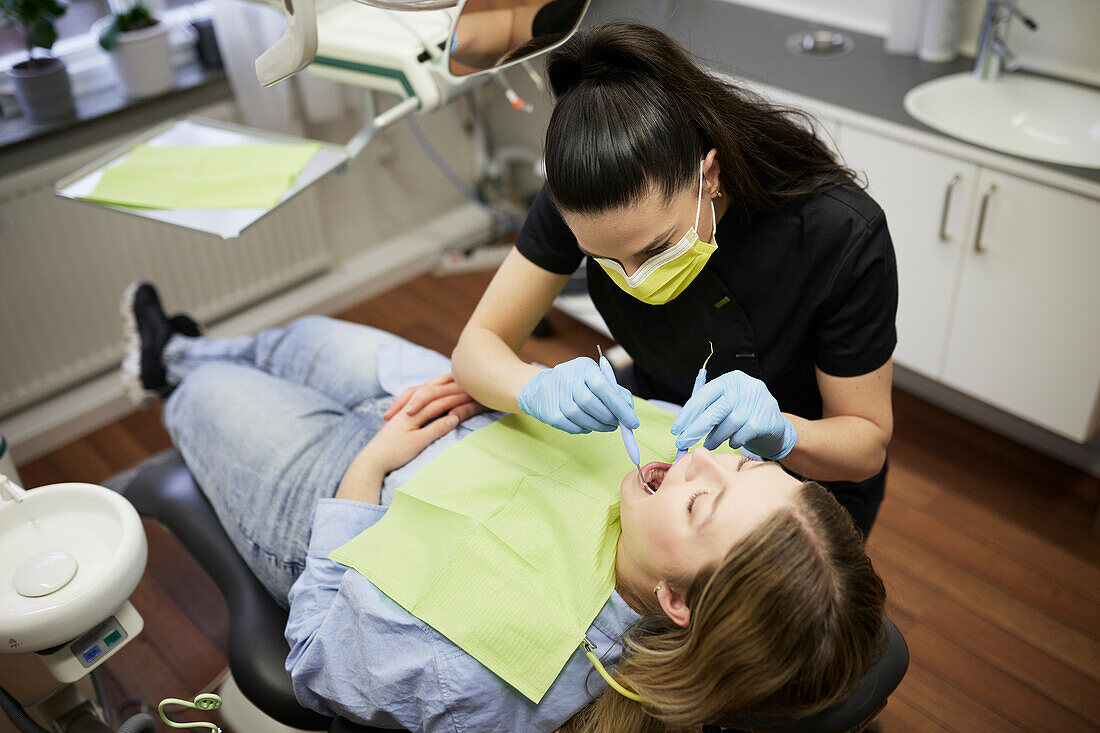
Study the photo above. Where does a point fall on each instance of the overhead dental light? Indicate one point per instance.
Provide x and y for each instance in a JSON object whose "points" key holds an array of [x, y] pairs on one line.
{"points": [[297, 47]]}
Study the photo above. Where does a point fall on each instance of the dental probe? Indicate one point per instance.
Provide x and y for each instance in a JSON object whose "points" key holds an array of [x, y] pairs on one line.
{"points": [[700, 380], [629, 440]]}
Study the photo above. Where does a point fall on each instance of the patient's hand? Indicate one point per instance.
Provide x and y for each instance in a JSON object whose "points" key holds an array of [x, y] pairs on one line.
{"points": [[443, 388], [430, 411]]}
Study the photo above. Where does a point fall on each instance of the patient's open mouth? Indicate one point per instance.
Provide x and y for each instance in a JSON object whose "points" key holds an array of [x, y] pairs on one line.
{"points": [[654, 473]]}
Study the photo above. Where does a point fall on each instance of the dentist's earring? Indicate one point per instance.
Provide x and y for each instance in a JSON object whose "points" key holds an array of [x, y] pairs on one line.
{"points": [[718, 194], [657, 589]]}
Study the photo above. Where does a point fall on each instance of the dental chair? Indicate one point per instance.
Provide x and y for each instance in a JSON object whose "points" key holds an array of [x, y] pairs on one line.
{"points": [[163, 489]]}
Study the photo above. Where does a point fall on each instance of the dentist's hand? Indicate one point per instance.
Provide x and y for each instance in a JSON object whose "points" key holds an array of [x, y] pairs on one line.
{"points": [[576, 397], [737, 408]]}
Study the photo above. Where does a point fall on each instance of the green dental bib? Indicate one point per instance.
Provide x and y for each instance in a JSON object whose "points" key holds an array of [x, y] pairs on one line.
{"points": [[505, 543]]}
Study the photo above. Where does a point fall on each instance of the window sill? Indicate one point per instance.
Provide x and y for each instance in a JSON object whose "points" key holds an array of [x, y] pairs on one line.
{"points": [[102, 110], [89, 65], [107, 113]]}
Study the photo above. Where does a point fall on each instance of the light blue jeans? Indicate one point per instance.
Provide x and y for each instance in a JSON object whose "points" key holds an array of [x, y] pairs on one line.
{"points": [[269, 423]]}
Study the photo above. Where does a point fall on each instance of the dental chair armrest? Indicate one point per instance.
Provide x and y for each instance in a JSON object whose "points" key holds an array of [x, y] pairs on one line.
{"points": [[163, 489]]}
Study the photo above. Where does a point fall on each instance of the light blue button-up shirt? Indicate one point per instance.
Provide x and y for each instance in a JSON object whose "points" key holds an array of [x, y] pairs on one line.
{"points": [[357, 654]]}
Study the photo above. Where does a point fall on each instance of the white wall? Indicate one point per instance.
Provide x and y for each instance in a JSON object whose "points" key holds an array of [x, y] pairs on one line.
{"points": [[393, 186], [1064, 45], [864, 16]]}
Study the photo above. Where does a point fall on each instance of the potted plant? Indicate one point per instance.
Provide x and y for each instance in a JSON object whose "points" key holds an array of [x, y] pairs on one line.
{"points": [[41, 83], [138, 44]]}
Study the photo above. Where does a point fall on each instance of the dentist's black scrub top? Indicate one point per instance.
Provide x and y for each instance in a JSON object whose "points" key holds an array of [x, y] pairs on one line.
{"points": [[813, 284]]}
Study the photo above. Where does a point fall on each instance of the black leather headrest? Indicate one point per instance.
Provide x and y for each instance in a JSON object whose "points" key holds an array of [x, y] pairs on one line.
{"points": [[860, 707]]}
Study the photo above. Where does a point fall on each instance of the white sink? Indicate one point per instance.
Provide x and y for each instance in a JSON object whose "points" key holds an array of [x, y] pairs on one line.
{"points": [[70, 555], [1035, 118]]}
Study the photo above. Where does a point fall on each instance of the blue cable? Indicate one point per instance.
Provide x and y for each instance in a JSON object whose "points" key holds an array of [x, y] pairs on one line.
{"points": [[457, 181]]}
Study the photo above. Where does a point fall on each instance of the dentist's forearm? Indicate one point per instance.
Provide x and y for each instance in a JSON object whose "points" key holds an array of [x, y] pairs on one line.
{"points": [[840, 448], [486, 363], [489, 370]]}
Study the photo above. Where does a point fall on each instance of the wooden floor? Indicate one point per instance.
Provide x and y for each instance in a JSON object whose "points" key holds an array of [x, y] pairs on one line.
{"points": [[991, 569]]}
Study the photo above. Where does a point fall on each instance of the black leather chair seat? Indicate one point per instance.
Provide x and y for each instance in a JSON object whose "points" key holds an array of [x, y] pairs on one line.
{"points": [[163, 489]]}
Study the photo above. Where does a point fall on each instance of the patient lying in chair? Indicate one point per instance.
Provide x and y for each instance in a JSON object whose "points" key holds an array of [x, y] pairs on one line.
{"points": [[737, 588]]}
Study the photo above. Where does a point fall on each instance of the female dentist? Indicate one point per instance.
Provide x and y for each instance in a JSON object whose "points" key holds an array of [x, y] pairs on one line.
{"points": [[706, 214]]}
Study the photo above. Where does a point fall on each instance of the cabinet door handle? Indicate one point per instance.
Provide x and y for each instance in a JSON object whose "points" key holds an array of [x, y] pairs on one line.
{"points": [[981, 217], [944, 237]]}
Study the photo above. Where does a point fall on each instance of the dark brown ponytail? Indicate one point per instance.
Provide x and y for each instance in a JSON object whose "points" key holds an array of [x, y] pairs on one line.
{"points": [[636, 114]]}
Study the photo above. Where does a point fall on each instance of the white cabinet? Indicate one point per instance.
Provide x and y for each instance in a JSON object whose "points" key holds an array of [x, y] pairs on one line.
{"points": [[927, 199], [999, 280], [1026, 332]]}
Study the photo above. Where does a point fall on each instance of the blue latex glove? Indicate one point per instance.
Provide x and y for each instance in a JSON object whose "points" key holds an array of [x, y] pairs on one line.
{"points": [[576, 397], [737, 408]]}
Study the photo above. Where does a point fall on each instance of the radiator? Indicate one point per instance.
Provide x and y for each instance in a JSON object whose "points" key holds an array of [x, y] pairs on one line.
{"points": [[64, 265]]}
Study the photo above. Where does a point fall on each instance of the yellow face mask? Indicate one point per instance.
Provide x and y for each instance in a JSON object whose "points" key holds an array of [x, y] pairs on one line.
{"points": [[664, 276]]}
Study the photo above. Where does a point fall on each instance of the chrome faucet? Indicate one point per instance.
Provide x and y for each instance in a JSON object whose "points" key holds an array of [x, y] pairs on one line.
{"points": [[993, 53]]}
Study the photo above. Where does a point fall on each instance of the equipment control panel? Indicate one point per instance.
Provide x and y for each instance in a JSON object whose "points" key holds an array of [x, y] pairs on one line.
{"points": [[89, 647], [73, 660]]}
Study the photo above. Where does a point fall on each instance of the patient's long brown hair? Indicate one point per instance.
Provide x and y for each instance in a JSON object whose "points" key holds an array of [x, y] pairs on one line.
{"points": [[786, 625]]}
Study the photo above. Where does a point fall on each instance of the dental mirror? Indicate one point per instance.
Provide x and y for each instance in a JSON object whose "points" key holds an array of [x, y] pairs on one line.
{"points": [[495, 34]]}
